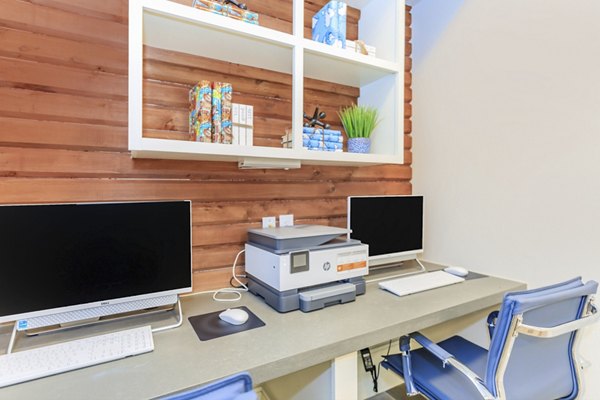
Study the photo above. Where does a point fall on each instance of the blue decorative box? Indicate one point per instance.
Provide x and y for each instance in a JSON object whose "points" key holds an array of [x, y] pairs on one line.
{"points": [[324, 135], [329, 24], [322, 139]]}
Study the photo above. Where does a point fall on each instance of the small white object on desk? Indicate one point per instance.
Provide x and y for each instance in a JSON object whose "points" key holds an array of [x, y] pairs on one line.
{"points": [[234, 316], [419, 283], [458, 271]]}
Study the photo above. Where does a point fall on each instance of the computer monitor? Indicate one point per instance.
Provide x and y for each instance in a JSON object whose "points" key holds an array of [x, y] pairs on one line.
{"points": [[66, 262], [392, 226]]}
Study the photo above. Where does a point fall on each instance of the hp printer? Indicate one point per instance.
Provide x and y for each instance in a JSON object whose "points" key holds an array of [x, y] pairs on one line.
{"points": [[305, 267]]}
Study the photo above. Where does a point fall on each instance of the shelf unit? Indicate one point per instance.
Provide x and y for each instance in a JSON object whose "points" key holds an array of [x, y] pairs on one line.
{"points": [[167, 25]]}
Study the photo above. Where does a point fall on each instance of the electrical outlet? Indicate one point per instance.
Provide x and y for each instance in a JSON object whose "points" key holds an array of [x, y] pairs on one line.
{"points": [[286, 220], [269, 222]]}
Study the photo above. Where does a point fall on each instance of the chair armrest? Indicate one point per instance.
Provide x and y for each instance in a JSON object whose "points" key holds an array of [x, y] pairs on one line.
{"points": [[491, 322], [591, 317], [432, 347], [449, 359]]}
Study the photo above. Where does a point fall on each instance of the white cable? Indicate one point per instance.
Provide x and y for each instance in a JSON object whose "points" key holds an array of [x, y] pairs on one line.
{"points": [[236, 291]]}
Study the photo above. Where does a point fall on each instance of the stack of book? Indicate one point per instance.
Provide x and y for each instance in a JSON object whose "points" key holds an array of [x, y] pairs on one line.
{"points": [[210, 112], [317, 139], [243, 124]]}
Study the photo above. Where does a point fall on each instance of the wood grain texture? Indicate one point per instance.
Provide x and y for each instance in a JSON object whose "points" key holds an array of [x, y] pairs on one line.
{"points": [[62, 23], [113, 10], [63, 135], [55, 190], [27, 45]]}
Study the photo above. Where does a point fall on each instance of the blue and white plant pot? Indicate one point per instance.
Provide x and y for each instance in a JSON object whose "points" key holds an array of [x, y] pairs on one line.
{"points": [[359, 145]]}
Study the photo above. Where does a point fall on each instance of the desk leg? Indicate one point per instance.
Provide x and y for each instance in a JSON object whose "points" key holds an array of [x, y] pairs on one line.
{"points": [[344, 373]]}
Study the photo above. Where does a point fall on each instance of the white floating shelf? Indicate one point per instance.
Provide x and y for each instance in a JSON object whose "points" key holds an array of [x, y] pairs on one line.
{"points": [[182, 150], [172, 26], [342, 66]]}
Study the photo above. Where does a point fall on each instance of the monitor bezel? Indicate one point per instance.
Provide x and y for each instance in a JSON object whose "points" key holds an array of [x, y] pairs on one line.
{"points": [[390, 258], [110, 301]]}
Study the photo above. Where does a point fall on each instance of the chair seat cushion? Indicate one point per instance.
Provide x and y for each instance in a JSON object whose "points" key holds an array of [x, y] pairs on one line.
{"points": [[437, 382]]}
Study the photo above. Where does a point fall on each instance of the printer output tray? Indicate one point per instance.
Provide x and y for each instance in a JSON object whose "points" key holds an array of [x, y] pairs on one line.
{"points": [[310, 298]]}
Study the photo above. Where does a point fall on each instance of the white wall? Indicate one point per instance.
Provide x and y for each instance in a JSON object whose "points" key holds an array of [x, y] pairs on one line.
{"points": [[506, 131]]}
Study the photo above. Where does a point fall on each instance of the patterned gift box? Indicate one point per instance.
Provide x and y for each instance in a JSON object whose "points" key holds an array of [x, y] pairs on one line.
{"points": [[322, 145], [217, 129], [242, 15], [210, 118], [316, 139], [329, 24], [217, 7], [226, 104], [200, 98], [325, 135], [202, 131]]}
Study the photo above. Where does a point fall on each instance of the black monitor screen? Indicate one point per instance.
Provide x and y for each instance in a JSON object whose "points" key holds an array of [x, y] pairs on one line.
{"points": [[388, 224], [69, 254]]}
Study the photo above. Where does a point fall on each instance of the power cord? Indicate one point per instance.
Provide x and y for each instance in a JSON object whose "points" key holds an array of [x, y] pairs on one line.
{"points": [[370, 367], [237, 290], [379, 366], [365, 355]]}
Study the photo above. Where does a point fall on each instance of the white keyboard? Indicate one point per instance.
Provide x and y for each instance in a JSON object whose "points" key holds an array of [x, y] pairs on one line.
{"points": [[418, 283], [49, 360]]}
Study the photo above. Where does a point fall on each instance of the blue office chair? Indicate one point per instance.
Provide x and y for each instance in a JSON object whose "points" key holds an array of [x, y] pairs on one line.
{"points": [[235, 387], [531, 354]]}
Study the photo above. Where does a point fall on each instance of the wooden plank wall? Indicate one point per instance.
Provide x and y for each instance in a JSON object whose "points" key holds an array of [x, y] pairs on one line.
{"points": [[63, 129]]}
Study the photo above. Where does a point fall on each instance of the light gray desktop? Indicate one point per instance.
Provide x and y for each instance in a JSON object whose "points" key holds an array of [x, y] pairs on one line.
{"points": [[288, 343]]}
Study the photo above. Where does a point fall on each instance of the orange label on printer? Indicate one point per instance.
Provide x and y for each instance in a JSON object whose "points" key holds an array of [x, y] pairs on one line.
{"points": [[350, 266]]}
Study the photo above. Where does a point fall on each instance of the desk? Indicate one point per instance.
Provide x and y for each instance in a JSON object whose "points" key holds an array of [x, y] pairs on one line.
{"points": [[288, 343]]}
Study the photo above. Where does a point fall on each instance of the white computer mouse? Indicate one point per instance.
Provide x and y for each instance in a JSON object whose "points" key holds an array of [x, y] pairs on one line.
{"points": [[234, 316], [458, 271]]}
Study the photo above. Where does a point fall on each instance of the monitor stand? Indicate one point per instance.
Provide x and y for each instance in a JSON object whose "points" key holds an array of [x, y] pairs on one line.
{"points": [[63, 326], [396, 269], [97, 320]]}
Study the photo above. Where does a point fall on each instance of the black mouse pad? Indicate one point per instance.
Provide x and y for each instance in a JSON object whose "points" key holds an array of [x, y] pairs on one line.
{"points": [[209, 326]]}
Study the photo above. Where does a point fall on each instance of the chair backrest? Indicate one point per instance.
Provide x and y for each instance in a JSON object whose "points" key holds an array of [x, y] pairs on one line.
{"points": [[234, 387], [522, 364]]}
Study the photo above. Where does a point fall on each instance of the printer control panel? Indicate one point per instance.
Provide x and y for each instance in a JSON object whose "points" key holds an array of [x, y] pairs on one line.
{"points": [[299, 262]]}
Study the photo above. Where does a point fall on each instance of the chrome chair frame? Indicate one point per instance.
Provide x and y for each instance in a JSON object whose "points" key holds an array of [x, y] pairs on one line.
{"points": [[589, 314]]}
